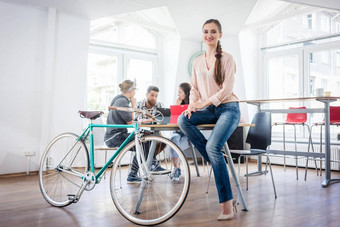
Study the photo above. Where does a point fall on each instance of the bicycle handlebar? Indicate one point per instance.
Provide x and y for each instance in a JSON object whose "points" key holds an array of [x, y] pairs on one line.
{"points": [[132, 110]]}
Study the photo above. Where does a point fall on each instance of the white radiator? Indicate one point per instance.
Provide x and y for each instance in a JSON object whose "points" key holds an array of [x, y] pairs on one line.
{"points": [[335, 155]]}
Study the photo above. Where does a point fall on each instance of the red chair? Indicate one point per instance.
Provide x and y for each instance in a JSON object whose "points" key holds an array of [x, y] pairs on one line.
{"points": [[334, 115], [295, 119], [334, 119]]}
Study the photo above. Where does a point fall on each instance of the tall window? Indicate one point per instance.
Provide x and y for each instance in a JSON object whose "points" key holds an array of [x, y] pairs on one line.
{"points": [[308, 21], [337, 27], [298, 69], [101, 82], [119, 51], [324, 21]]}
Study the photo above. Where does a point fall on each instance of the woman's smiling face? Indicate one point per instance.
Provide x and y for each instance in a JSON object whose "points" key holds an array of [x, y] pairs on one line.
{"points": [[211, 34]]}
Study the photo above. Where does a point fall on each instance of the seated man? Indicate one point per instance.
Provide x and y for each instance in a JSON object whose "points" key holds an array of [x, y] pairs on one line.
{"points": [[150, 104]]}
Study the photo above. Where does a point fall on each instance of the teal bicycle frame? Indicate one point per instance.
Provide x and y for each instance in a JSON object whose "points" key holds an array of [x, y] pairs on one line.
{"points": [[89, 131]]}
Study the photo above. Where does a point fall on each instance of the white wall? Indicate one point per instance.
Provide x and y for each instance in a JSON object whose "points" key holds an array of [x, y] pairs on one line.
{"points": [[252, 66], [231, 45], [168, 59], [187, 49], [23, 77]]}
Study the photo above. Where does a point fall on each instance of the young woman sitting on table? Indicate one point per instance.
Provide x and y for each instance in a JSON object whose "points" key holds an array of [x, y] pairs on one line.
{"points": [[212, 101]]}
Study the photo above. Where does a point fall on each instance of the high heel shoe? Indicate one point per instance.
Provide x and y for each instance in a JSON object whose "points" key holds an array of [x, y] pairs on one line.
{"points": [[223, 217]]}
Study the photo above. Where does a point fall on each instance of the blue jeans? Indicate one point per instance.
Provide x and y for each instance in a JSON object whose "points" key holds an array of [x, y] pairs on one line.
{"points": [[226, 118], [176, 138]]}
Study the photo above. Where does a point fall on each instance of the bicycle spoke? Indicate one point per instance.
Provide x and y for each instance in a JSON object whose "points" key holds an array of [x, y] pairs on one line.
{"points": [[75, 156], [68, 152], [57, 179], [162, 197], [79, 186]]}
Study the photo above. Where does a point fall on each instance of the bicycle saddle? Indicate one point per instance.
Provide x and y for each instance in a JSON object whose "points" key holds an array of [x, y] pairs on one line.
{"points": [[90, 114]]}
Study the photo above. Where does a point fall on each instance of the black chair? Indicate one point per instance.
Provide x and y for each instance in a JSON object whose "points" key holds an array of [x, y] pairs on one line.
{"points": [[259, 138]]}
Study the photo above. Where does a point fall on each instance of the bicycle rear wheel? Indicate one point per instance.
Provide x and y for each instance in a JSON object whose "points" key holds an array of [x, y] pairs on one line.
{"points": [[62, 166], [162, 197]]}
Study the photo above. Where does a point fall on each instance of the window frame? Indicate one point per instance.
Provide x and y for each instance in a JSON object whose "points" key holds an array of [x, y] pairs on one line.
{"points": [[304, 70], [122, 56]]}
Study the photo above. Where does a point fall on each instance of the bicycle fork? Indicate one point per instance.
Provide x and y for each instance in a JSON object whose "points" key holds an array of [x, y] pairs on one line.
{"points": [[146, 176]]}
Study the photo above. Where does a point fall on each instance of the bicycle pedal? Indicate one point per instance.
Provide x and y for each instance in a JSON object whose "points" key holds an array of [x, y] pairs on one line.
{"points": [[73, 198]]}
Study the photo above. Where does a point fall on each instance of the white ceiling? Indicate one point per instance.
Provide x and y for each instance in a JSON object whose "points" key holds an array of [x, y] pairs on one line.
{"points": [[188, 15], [267, 12], [91, 9], [327, 4]]}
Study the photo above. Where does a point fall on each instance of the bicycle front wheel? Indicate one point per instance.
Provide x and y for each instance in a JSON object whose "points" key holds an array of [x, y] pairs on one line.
{"points": [[154, 200], [63, 164]]}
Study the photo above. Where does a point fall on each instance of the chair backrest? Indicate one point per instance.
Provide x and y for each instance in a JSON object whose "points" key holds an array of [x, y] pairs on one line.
{"points": [[296, 117], [334, 114], [260, 135], [98, 133]]}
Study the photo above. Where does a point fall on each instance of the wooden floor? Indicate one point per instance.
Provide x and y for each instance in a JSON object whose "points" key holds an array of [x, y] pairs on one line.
{"points": [[299, 203]]}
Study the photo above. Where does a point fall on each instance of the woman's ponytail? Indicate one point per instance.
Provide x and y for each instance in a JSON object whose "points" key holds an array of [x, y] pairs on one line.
{"points": [[218, 76]]}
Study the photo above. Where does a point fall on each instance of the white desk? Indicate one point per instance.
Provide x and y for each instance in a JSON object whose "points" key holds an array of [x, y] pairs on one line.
{"points": [[325, 110]]}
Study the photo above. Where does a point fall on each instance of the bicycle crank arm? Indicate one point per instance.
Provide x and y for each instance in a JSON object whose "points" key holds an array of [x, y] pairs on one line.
{"points": [[75, 198]]}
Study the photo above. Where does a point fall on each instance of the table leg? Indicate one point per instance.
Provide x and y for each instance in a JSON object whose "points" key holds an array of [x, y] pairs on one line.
{"points": [[194, 157], [328, 179], [235, 177], [327, 146]]}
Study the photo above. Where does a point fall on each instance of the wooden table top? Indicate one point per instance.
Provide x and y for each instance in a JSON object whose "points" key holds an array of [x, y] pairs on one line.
{"points": [[203, 126]]}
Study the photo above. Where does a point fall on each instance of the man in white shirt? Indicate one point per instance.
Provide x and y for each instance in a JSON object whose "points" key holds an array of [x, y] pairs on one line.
{"points": [[150, 104]]}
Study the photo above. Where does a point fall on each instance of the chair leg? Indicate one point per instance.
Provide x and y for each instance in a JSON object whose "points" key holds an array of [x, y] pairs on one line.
{"points": [[284, 147], [320, 149], [239, 165], [265, 172], [246, 172], [194, 157], [204, 164], [209, 180], [296, 159], [310, 145], [271, 173]]}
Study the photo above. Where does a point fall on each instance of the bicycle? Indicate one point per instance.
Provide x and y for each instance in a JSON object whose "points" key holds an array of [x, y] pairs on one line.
{"points": [[66, 171]]}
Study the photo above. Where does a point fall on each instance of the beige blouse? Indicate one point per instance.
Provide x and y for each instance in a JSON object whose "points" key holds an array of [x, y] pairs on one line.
{"points": [[204, 86]]}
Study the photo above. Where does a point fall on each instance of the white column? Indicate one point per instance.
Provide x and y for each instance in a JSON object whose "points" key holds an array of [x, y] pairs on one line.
{"points": [[48, 79]]}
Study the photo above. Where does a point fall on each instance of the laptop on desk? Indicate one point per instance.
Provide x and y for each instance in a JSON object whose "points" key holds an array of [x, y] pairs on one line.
{"points": [[176, 111], [166, 113]]}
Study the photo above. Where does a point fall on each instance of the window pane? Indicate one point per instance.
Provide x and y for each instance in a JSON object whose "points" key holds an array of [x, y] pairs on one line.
{"points": [[283, 82], [303, 27], [141, 71], [101, 81], [324, 72], [283, 74]]}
